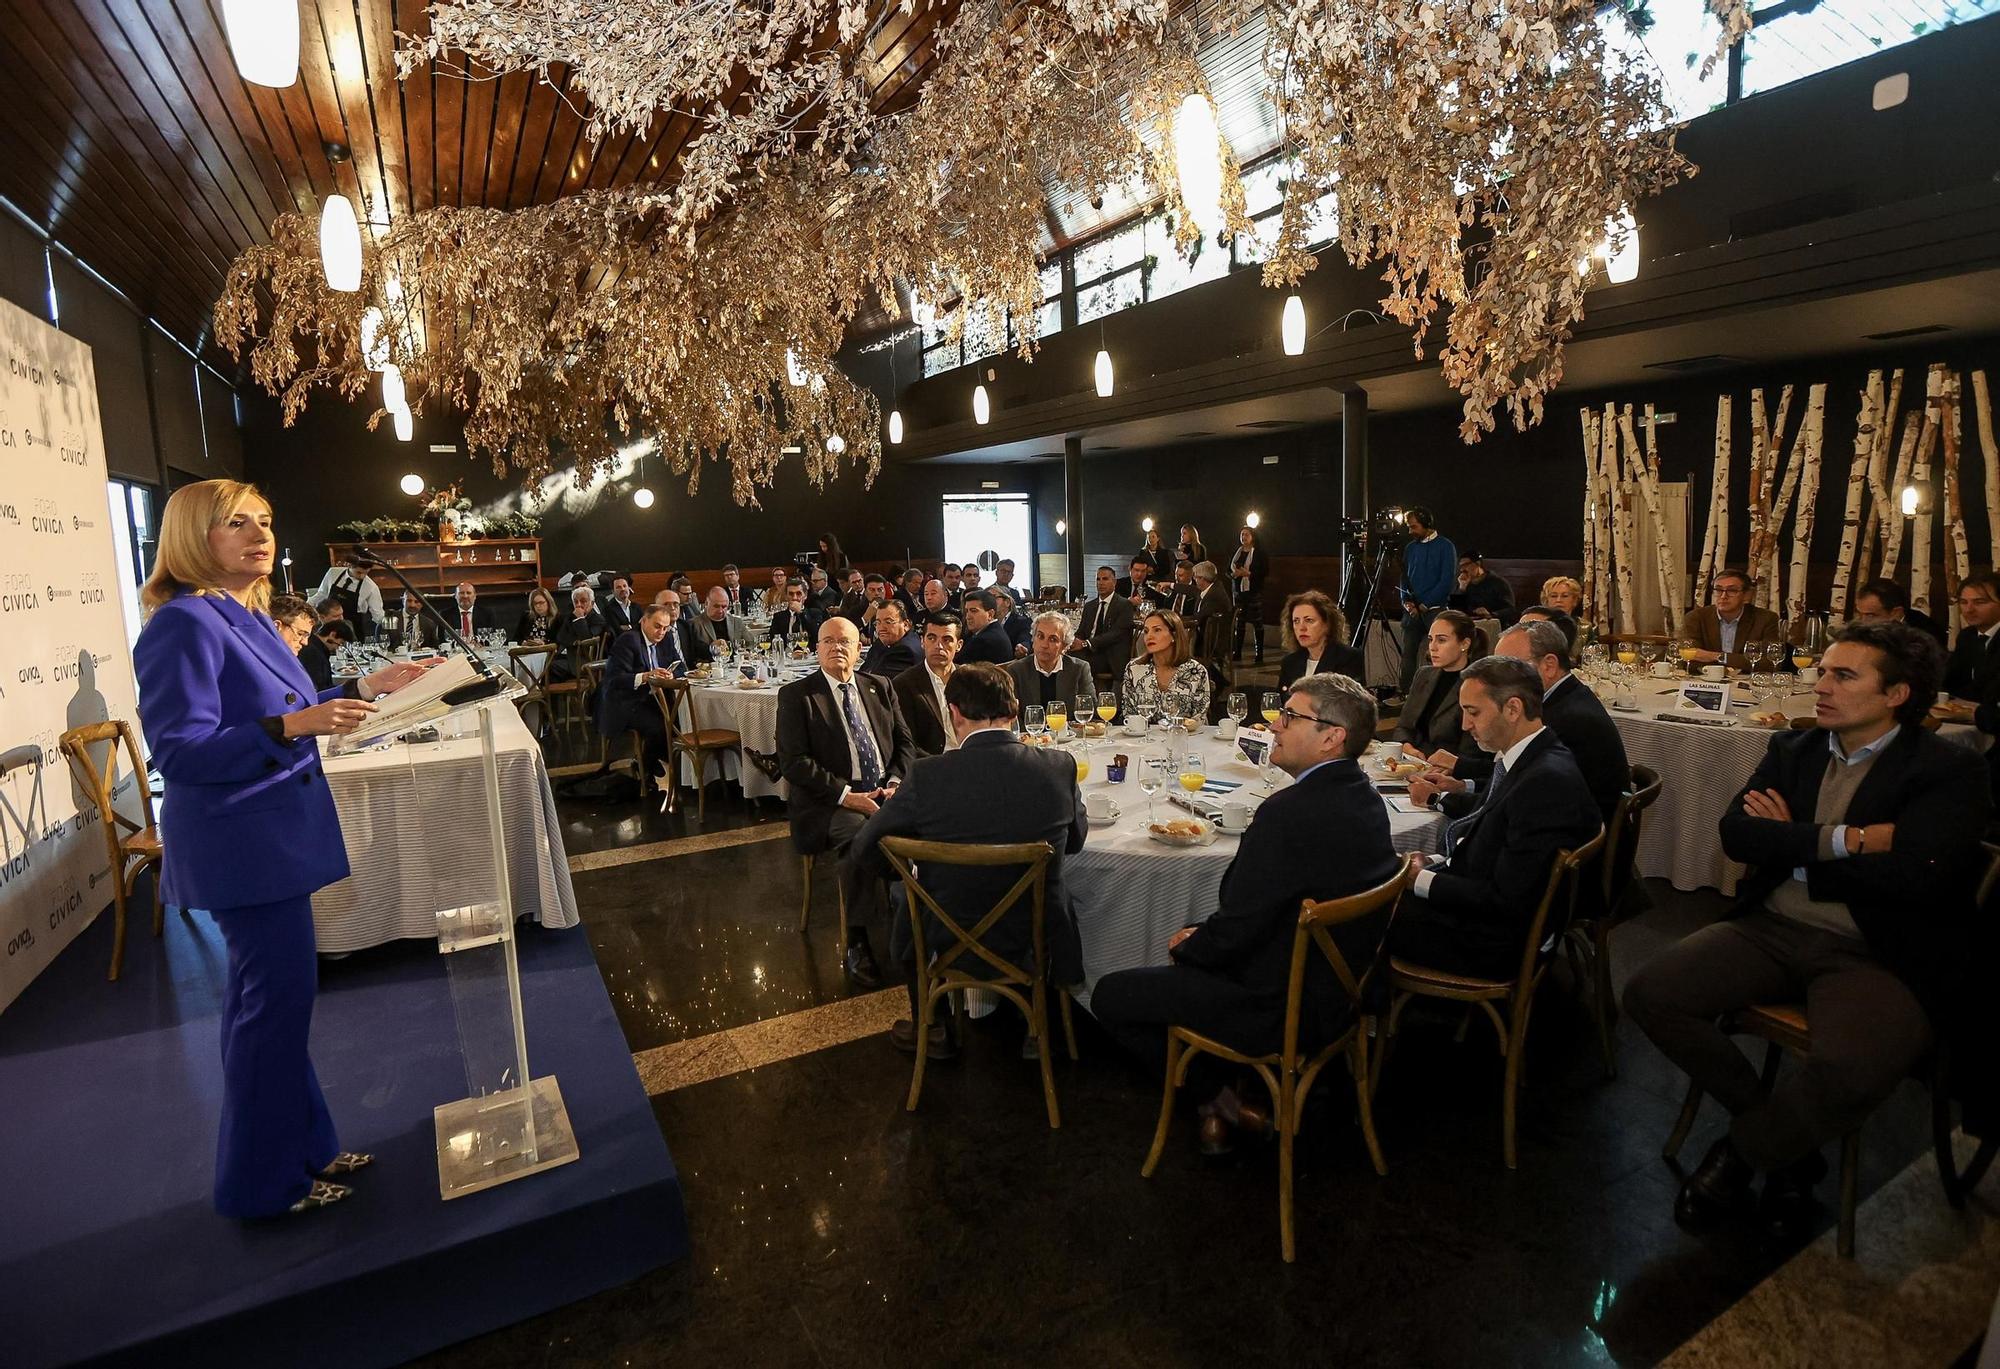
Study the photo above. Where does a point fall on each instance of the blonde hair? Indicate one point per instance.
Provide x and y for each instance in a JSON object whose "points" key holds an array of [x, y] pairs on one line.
{"points": [[1570, 583], [1183, 648], [538, 592], [183, 561]]}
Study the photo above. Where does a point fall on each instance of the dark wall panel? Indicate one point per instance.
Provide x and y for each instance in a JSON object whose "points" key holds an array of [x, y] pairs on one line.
{"points": [[94, 315], [176, 413], [24, 279], [221, 438]]}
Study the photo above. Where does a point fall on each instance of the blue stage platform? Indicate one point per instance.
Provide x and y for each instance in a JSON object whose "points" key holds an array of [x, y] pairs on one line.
{"points": [[109, 1252]]}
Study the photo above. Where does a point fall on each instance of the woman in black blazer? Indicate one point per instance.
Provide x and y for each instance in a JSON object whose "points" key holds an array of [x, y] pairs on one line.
{"points": [[1315, 641], [1430, 719]]}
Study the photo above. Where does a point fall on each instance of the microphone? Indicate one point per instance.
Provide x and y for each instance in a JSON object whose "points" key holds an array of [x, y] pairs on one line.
{"points": [[467, 693]]}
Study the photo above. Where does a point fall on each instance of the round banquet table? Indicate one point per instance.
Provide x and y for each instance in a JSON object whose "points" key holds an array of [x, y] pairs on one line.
{"points": [[1703, 768], [753, 713], [1132, 893]]}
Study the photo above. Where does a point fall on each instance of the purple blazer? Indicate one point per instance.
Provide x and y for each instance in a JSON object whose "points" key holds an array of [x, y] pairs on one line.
{"points": [[245, 819]]}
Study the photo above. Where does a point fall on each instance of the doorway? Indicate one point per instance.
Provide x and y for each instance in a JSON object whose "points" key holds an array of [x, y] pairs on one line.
{"points": [[987, 529]]}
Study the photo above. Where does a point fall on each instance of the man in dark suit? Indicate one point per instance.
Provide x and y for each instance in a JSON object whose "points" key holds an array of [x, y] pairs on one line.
{"points": [[418, 629], [1020, 626], [682, 641], [843, 748], [621, 610], [1481, 593], [1973, 660], [583, 623], [466, 613], [1211, 615], [800, 617], [1025, 794], [1863, 840], [1325, 836], [1720, 630], [1136, 586], [1569, 710], [1105, 634], [645, 656], [1473, 904], [1184, 597], [920, 689], [1048, 673], [1249, 564], [740, 597], [986, 635], [895, 648], [1881, 600], [911, 593]]}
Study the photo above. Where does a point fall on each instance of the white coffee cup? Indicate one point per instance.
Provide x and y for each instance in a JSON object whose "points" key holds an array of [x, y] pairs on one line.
{"points": [[1098, 805], [1712, 672], [1236, 816], [1808, 676], [1662, 670], [1135, 727], [1226, 729]]}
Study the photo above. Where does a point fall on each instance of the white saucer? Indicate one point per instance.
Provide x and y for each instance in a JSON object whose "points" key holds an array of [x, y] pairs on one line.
{"points": [[1116, 812]]}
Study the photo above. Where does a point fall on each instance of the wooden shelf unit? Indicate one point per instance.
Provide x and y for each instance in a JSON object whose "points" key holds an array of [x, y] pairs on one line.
{"points": [[497, 565]]}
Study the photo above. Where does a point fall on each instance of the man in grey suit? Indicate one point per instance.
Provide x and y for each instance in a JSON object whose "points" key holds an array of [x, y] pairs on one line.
{"points": [[1047, 673], [1025, 794], [1105, 634]]}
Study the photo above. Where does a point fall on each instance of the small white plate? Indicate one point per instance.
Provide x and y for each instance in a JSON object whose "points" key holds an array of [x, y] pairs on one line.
{"points": [[1115, 814]]}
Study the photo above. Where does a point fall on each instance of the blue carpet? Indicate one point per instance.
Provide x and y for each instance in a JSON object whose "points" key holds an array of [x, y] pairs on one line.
{"points": [[110, 1253]]}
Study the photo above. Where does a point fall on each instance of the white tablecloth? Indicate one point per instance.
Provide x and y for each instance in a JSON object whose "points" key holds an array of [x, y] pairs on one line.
{"points": [[414, 820], [751, 712], [1132, 893], [1703, 768]]}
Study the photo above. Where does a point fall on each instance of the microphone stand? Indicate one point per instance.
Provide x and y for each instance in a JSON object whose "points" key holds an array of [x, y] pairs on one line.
{"points": [[484, 688]]}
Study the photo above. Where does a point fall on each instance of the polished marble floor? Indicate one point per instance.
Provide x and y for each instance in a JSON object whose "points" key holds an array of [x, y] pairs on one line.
{"points": [[831, 1227]]}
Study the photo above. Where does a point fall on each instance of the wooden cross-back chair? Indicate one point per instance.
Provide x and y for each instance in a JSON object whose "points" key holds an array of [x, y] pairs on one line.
{"points": [[1588, 939], [530, 665], [1408, 980], [694, 740], [586, 655], [951, 970], [1289, 1073], [133, 847]]}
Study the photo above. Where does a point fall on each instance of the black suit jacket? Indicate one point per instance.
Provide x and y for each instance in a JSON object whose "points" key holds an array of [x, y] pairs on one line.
{"points": [[622, 703], [621, 617], [418, 630], [318, 663], [812, 750], [785, 624], [1107, 626], [1491, 593], [1334, 658], [1259, 567], [569, 632], [483, 617], [1430, 719], [990, 644], [1184, 599], [1575, 715], [1020, 628], [916, 701], [1026, 794], [1324, 837], [1497, 873], [891, 661], [1968, 670], [1913, 902], [1072, 678]]}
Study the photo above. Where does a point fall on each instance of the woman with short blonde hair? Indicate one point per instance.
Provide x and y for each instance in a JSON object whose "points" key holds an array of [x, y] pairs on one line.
{"points": [[230, 716], [1566, 593], [1167, 665]]}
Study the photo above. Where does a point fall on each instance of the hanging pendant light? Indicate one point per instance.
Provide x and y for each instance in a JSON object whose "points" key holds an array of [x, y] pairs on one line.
{"points": [[836, 444], [264, 40], [1293, 326], [794, 372], [394, 397], [1103, 374], [1622, 266], [1198, 162], [406, 424], [895, 427], [340, 244], [643, 497], [412, 484], [982, 407], [1062, 527]]}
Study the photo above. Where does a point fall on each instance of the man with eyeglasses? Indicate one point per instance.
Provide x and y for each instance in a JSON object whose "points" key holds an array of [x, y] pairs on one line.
{"points": [[1326, 835], [1719, 631]]}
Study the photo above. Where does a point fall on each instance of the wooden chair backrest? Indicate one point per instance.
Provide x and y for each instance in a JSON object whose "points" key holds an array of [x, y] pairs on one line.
{"points": [[1563, 882], [1992, 875], [905, 853], [1621, 839], [589, 651], [668, 697], [1316, 917], [76, 744], [531, 663]]}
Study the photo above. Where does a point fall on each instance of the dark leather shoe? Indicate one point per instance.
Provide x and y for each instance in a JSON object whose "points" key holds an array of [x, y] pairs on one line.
{"points": [[903, 1035], [1787, 1205], [1217, 1137], [1254, 1121], [862, 971], [1718, 1189]]}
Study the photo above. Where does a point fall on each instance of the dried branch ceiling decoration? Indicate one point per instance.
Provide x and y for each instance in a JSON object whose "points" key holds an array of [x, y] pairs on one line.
{"points": [[1478, 150]]}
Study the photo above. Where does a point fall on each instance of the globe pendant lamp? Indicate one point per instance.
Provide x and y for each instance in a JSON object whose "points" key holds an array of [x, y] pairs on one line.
{"points": [[340, 244], [1293, 326], [393, 395], [895, 427], [264, 40], [982, 407], [1103, 374], [643, 497], [406, 425]]}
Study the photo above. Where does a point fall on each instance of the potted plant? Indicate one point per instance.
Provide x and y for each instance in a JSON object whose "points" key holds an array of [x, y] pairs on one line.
{"points": [[381, 530], [353, 530]]}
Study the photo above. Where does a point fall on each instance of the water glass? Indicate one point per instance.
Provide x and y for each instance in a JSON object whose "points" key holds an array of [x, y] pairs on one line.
{"points": [[1032, 721], [1238, 706]]}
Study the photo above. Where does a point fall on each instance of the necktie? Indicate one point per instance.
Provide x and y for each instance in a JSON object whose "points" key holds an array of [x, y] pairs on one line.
{"points": [[672, 643], [864, 744], [465, 621], [1459, 828], [652, 657]]}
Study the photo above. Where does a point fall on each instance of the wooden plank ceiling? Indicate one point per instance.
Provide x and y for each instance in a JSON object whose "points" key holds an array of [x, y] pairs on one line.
{"points": [[131, 140]]}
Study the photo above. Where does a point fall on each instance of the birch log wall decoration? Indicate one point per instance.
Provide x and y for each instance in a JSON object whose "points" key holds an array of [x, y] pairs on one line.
{"points": [[1920, 476], [1715, 541], [1591, 552], [1806, 454], [1857, 493], [1989, 449], [1666, 556], [1892, 513], [1621, 523], [1960, 564], [1882, 444]]}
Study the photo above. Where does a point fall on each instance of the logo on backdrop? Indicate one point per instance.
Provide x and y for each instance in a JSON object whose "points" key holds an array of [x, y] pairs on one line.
{"points": [[18, 594]]}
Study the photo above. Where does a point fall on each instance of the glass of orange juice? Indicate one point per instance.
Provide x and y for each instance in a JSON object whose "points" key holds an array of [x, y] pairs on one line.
{"points": [[1057, 716], [1273, 701], [1193, 772], [1107, 705], [1082, 764]]}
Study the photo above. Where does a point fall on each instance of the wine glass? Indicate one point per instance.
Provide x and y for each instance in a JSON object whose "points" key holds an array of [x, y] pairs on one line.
{"points": [[1107, 705], [1649, 653], [1273, 701], [1173, 707], [1082, 755], [1237, 706], [1033, 723], [1194, 771], [1084, 708], [1057, 717], [1152, 778], [1628, 653]]}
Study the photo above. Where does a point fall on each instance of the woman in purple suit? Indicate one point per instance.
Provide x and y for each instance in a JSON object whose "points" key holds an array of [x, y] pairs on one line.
{"points": [[230, 717]]}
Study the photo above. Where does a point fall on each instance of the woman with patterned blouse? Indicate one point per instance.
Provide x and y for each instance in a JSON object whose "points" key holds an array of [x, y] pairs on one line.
{"points": [[1166, 665]]}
